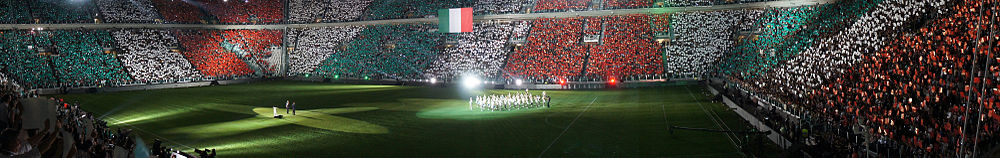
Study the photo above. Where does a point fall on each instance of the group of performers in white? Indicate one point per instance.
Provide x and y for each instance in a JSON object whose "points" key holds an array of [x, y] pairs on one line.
{"points": [[510, 101]]}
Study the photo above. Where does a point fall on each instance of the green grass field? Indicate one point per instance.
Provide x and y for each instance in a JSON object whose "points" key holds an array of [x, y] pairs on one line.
{"points": [[399, 121]]}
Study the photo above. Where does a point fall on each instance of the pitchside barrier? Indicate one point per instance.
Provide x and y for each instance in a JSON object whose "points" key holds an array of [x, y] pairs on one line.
{"points": [[490, 85], [570, 85], [47, 91], [754, 121]]}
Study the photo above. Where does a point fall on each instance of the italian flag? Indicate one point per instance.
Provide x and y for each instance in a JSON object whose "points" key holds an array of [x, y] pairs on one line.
{"points": [[455, 20]]}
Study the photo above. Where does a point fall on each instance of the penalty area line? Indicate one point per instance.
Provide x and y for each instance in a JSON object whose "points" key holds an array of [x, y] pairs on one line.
{"points": [[567, 127]]}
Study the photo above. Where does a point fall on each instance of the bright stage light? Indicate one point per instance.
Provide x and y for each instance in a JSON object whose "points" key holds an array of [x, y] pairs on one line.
{"points": [[471, 82], [518, 82], [434, 80]]}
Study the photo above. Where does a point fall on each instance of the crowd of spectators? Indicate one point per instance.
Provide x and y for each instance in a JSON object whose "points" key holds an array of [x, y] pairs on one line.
{"points": [[700, 38], [685, 3], [22, 62], [521, 29], [916, 89], [393, 51], [383, 10], [256, 47], [807, 71], [989, 107], [906, 72], [660, 23], [312, 11], [553, 50], [781, 33], [86, 58], [560, 5], [148, 56], [480, 53], [593, 26], [65, 132], [14, 12], [91, 136], [498, 6], [60, 11], [179, 11], [626, 49], [314, 45], [127, 11], [629, 4], [244, 11], [204, 49]]}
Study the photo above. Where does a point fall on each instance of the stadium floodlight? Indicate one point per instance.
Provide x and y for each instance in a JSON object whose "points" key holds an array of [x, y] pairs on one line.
{"points": [[612, 81], [518, 82], [471, 82], [434, 80]]}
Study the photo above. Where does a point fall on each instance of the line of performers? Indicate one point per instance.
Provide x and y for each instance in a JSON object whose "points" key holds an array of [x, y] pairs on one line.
{"points": [[510, 101]]}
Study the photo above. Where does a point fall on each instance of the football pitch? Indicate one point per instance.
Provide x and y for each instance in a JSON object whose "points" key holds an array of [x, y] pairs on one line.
{"points": [[401, 121]]}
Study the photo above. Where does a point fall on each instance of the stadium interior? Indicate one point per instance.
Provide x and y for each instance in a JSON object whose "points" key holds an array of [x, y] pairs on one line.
{"points": [[499, 78]]}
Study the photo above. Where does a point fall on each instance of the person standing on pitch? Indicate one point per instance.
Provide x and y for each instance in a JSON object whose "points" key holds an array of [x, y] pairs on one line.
{"points": [[548, 101], [293, 108], [286, 106], [275, 110]]}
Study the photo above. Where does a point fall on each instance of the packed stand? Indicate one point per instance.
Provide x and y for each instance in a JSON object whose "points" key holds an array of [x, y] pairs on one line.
{"points": [[989, 107], [244, 11], [127, 11], [916, 90], [62, 11], [86, 58], [313, 45], [21, 60], [593, 26], [626, 50], [660, 23], [257, 48], [383, 10], [498, 6], [395, 51], [627, 4], [782, 33], [560, 5], [700, 38], [553, 50], [14, 12], [179, 11], [65, 132], [686, 3], [905, 73], [204, 49], [316, 11], [521, 29], [817, 64], [148, 56], [479, 53]]}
